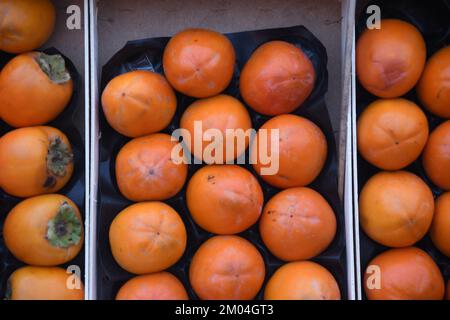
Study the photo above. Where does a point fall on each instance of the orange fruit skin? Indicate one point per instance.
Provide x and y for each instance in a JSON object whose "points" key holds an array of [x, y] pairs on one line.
{"points": [[226, 268], [44, 283], [405, 274], [302, 151], [392, 133], [277, 78], [28, 97], [433, 88], [390, 60], [224, 199], [448, 290], [156, 286], [23, 161], [302, 280], [297, 224], [396, 208], [199, 62], [138, 103], [436, 156], [440, 228], [25, 231], [26, 24], [146, 171], [221, 112], [147, 237]]}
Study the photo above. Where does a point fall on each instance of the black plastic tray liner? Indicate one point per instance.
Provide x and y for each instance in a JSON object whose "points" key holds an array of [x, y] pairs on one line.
{"points": [[433, 21], [71, 123], [147, 55]]}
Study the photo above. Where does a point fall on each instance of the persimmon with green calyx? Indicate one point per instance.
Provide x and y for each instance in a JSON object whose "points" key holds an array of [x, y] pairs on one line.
{"points": [[34, 89], [34, 160], [53, 227]]}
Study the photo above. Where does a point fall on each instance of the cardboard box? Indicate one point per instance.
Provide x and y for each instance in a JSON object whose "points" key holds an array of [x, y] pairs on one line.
{"points": [[114, 22], [361, 254], [74, 44]]}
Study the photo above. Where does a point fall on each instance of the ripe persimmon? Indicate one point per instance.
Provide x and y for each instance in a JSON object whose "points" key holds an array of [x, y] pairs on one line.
{"points": [[448, 290], [34, 89], [220, 113], [147, 237], [45, 230], [224, 199], [436, 156], [440, 227], [199, 62], [302, 151], [34, 160], [403, 274], [433, 88], [392, 133], [138, 103], [302, 280], [390, 60], [26, 24], [155, 286], [277, 78], [396, 208], [226, 268], [297, 224], [145, 169], [44, 283]]}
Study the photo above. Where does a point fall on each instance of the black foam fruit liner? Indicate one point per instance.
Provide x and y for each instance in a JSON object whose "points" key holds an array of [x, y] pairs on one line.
{"points": [[432, 20], [71, 123], [146, 54]]}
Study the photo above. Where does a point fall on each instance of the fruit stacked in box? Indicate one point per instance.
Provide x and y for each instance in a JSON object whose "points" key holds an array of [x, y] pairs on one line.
{"points": [[403, 134], [42, 227], [180, 216]]}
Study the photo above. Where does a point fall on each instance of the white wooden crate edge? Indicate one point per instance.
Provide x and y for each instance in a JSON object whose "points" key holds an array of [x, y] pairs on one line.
{"points": [[87, 108], [91, 267], [345, 145], [355, 176]]}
